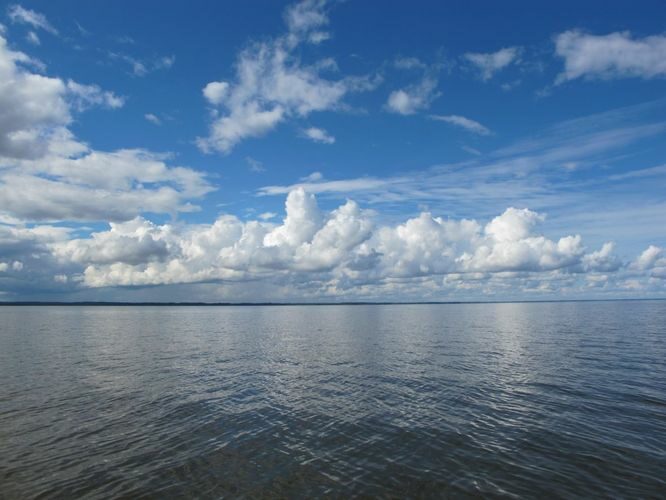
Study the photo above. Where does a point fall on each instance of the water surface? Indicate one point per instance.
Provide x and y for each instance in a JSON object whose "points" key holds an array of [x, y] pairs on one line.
{"points": [[547, 399]]}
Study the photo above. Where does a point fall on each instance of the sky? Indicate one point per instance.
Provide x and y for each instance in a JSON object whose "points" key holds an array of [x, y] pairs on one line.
{"points": [[320, 151]]}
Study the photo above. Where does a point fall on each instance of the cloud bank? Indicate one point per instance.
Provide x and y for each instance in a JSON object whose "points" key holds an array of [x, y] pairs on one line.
{"points": [[342, 252]]}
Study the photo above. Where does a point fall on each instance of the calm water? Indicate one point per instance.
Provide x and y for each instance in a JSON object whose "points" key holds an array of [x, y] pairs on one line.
{"points": [[563, 399]]}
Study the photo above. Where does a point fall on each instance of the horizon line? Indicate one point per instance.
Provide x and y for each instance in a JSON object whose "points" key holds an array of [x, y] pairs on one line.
{"points": [[344, 303]]}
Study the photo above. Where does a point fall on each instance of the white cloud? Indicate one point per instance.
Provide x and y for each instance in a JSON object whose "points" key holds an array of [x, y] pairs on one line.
{"points": [[603, 260], [490, 63], [463, 122], [255, 165], [530, 172], [318, 37], [142, 67], [32, 38], [154, 119], [98, 186], [85, 96], [134, 242], [304, 20], [249, 120], [649, 258], [414, 98], [315, 185], [409, 63], [318, 135], [301, 223], [272, 85], [513, 225], [164, 62], [216, 92], [19, 15], [28, 258], [313, 177], [315, 253], [471, 150], [47, 174], [34, 107], [615, 55], [31, 105], [652, 261], [641, 172], [344, 248]]}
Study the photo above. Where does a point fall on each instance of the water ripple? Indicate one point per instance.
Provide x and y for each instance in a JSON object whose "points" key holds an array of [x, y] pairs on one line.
{"points": [[512, 400]]}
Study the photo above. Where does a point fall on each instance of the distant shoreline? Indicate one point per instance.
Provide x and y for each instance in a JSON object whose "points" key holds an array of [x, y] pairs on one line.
{"points": [[278, 304]]}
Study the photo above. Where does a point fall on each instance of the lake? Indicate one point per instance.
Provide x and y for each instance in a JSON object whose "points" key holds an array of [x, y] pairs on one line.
{"points": [[518, 400]]}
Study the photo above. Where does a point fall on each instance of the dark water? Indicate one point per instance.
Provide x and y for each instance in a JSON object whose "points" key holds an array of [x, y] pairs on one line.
{"points": [[560, 399]]}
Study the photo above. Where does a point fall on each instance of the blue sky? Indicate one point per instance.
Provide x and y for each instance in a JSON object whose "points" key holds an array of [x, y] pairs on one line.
{"points": [[320, 150]]}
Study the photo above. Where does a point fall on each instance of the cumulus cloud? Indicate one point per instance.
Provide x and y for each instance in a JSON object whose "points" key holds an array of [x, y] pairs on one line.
{"points": [[31, 105], [463, 122], [34, 107], [95, 185], [490, 63], [134, 242], [27, 260], [313, 252], [602, 260], [272, 84], [47, 174], [20, 15], [509, 244], [652, 261], [318, 135], [616, 55], [216, 92], [649, 257], [344, 245]]}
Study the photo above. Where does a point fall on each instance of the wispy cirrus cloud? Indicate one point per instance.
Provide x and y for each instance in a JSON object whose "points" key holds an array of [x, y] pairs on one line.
{"points": [[153, 118], [142, 67], [463, 122], [255, 165], [21, 15], [490, 63], [531, 172]]}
